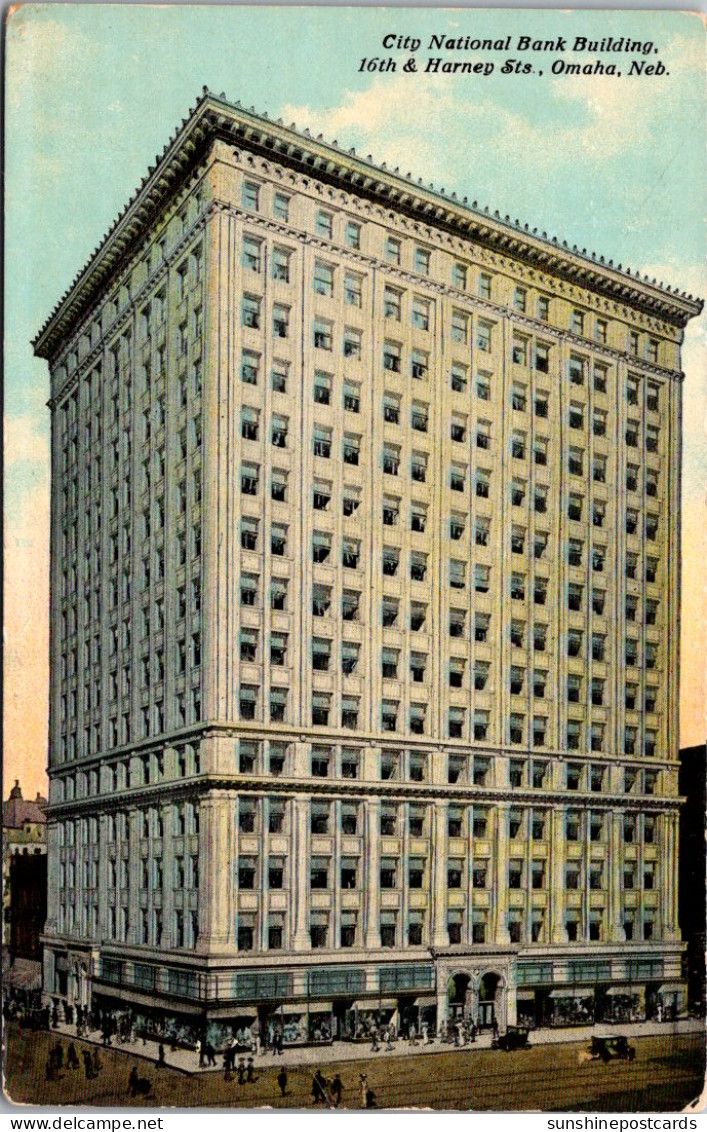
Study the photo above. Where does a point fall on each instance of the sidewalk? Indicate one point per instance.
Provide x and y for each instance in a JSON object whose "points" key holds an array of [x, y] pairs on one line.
{"points": [[186, 1061]]}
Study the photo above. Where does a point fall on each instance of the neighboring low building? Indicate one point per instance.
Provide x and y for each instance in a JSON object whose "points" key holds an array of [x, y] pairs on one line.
{"points": [[692, 783], [24, 884]]}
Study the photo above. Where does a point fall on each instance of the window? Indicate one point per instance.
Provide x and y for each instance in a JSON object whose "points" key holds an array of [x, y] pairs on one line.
{"points": [[250, 312], [249, 479], [352, 342], [321, 705], [278, 539], [391, 408], [323, 224], [391, 460], [249, 534], [600, 330], [322, 442], [485, 285], [483, 337], [250, 195], [249, 423], [459, 276], [351, 397], [322, 388], [392, 304], [519, 354], [422, 261], [280, 320], [542, 365], [520, 298], [323, 279], [600, 378], [322, 335], [281, 265], [420, 313], [352, 235], [391, 357], [389, 715], [389, 612], [353, 293], [460, 327], [576, 370], [392, 250], [418, 467], [458, 378], [281, 205], [278, 432], [321, 546]]}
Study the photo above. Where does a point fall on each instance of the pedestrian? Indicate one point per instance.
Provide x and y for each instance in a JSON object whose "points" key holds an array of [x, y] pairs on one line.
{"points": [[494, 1029], [336, 1089], [363, 1088], [161, 1063], [250, 1072], [227, 1064], [282, 1081], [72, 1061], [280, 1042], [472, 1030], [96, 1062], [319, 1088], [241, 1071], [210, 1054], [87, 1065], [199, 1053]]}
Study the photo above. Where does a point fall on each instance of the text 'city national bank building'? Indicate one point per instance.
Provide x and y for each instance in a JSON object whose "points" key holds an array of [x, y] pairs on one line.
{"points": [[364, 606]]}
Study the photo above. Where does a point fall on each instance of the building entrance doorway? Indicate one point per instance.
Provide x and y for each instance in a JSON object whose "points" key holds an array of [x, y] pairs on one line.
{"points": [[459, 997], [490, 986]]}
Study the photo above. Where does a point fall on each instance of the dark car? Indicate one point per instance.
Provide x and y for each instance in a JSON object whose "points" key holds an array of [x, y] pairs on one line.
{"points": [[515, 1037], [614, 1048]]}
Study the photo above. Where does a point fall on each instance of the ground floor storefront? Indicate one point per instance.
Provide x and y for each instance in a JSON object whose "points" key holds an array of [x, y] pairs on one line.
{"points": [[455, 992]]}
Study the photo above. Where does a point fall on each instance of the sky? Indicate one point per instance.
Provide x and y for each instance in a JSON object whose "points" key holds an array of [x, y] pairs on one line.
{"points": [[615, 165]]}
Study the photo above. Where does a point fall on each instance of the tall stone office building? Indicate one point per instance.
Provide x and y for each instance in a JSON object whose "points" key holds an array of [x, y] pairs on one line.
{"points": [[364, 605]]}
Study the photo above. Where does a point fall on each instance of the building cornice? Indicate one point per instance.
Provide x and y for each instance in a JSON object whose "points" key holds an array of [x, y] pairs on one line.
{"points": [[170, 791], [214, 117]]}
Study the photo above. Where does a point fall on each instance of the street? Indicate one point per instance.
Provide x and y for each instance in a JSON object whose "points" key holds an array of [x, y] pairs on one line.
{"points": [[667, 1075]]}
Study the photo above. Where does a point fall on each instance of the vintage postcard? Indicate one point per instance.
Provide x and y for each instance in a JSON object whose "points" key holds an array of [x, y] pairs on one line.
{"points": [[354, 558]]}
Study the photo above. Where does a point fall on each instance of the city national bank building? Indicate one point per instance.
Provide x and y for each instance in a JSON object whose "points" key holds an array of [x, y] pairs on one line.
{"points": [[365, 540]]}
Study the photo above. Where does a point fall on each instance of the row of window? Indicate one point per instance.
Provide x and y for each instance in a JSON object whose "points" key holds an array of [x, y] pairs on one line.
{"points": [[253, 196], [416, 723]]}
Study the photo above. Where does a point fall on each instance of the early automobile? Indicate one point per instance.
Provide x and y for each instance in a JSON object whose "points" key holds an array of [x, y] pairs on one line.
{"points": [[515, 1037], [615, 1048]]}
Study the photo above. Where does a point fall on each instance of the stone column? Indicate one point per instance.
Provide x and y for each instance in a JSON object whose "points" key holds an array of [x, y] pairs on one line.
{"points": [[134, 866], [216, 904], [617, 932], [500, 928], [438, 876], [53, 853], [511, 1004], [372, 808], [668, 878], [299, 874], [557, 875], [442, 1003]]}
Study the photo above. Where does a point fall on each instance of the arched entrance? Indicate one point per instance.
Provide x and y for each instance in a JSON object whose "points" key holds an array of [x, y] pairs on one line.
{"points": [[459, 996], [491, 1002]]}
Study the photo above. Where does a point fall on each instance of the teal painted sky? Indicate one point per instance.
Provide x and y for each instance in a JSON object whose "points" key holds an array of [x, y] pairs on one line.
{"points": [[94, 91]]}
